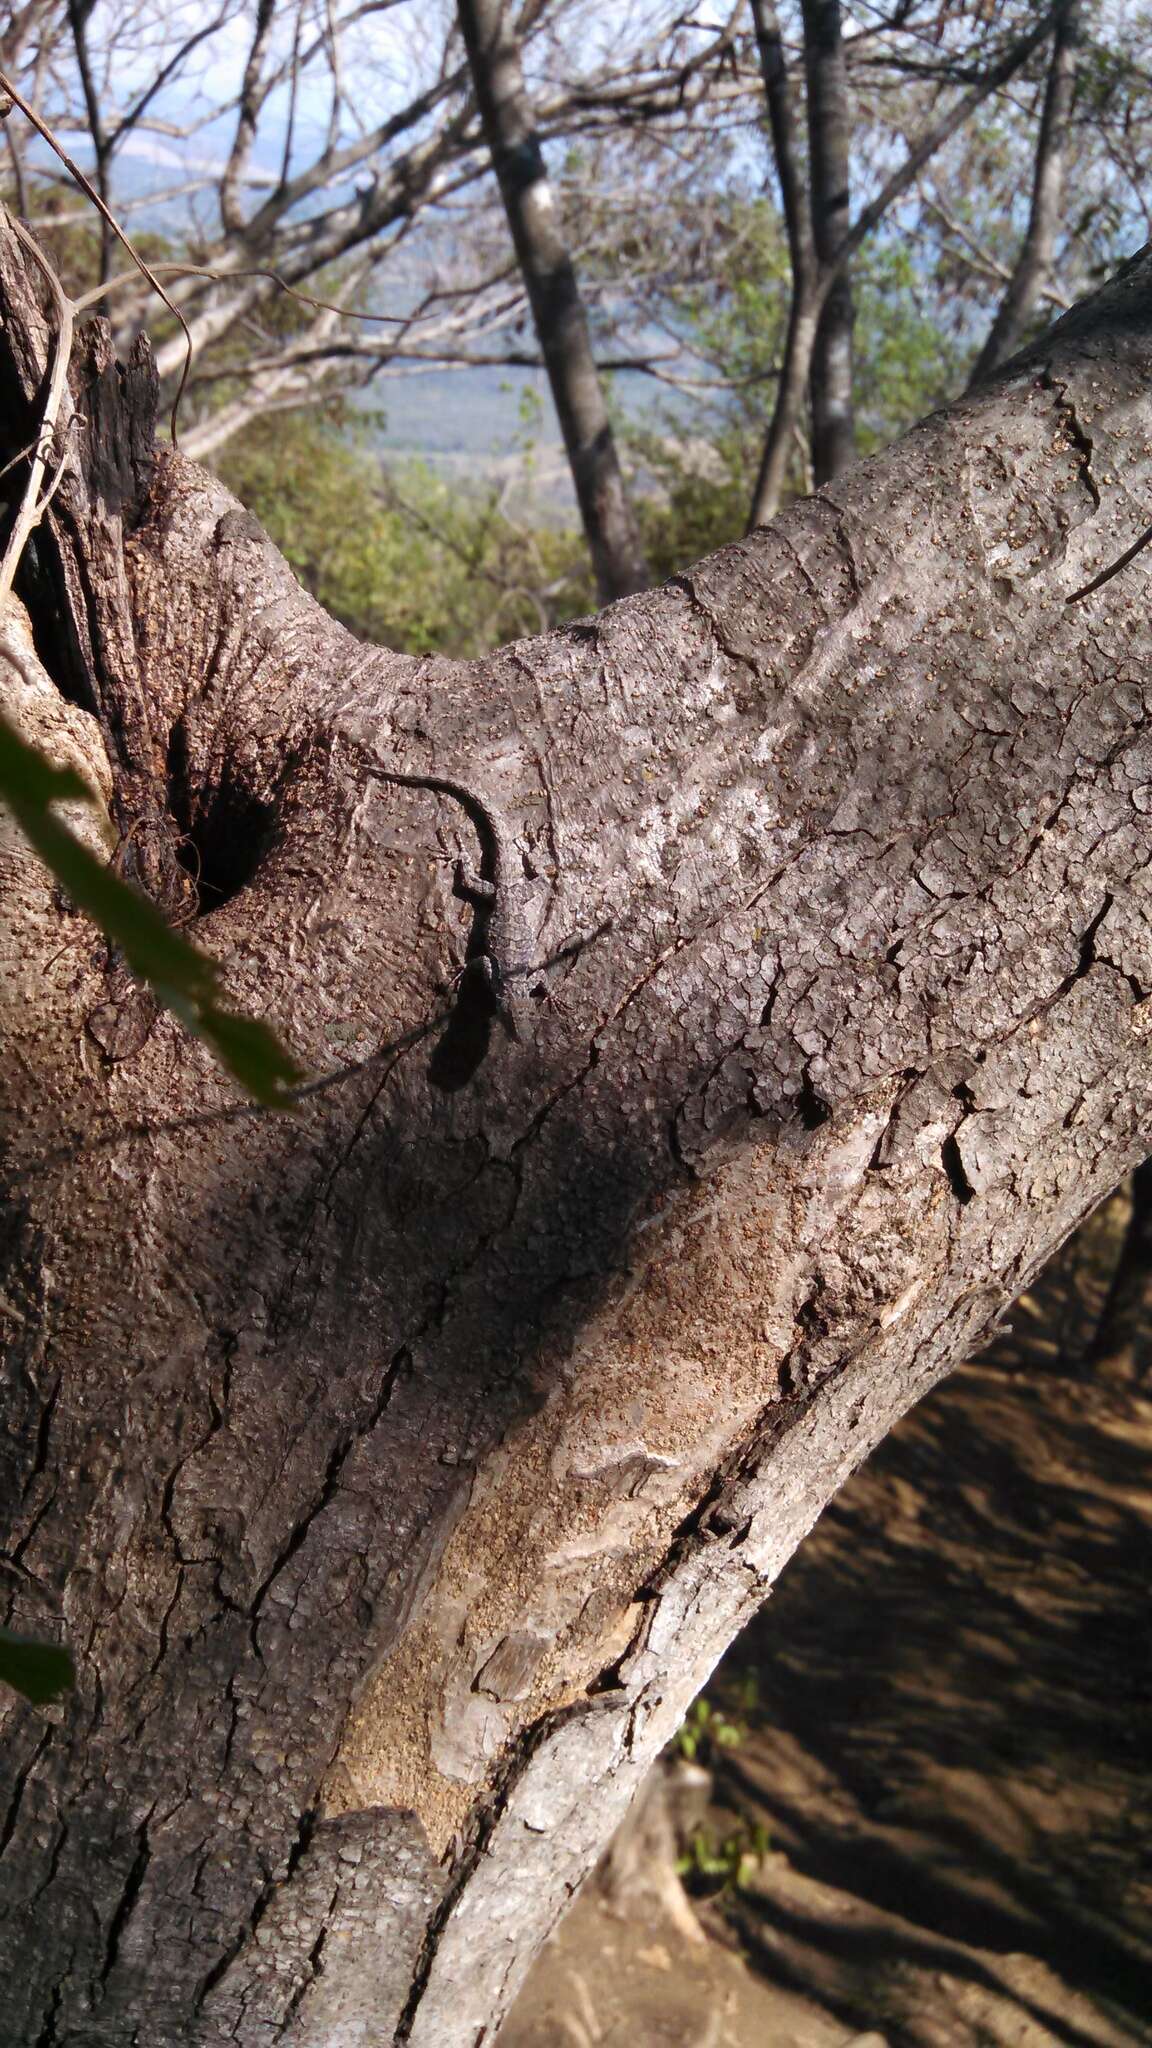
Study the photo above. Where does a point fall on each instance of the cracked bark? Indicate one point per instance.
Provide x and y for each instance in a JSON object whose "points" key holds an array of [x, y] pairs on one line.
{"points": [[399, 1468]]}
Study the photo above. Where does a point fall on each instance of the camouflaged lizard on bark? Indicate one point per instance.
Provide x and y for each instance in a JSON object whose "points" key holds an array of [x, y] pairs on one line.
{"points": [[502, 943]]}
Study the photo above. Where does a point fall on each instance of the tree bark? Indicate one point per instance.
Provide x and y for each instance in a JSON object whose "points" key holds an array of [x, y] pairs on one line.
{"points": [[1033, 266], [398, 1468], [554, 295], [829, 142]]}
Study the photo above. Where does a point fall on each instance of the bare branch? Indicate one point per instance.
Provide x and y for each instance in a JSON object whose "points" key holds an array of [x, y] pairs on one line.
{"points": [[935, 137], [167, 71], [251, 99]]}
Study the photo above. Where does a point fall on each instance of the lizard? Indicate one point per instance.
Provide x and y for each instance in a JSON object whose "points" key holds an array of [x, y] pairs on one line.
{"points": [[501, 948]]}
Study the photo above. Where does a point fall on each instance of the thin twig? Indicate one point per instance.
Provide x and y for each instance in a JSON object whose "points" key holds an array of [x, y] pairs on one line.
{"points": [[21, 454], [60, 472], [1113, 568], [33, 502], [98, 291]]}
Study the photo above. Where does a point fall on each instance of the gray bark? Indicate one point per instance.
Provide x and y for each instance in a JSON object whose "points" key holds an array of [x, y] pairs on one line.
{"points": [[399, 1468], [1033, 267], [829, 143], [554, 295]]}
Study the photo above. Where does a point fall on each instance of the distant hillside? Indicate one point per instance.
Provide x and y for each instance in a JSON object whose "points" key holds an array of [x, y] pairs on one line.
{"points": [[491, 425]]}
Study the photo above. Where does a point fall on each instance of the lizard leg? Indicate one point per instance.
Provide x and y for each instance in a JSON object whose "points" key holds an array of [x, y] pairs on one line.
{"points": [[484, 974], [474, 887]]}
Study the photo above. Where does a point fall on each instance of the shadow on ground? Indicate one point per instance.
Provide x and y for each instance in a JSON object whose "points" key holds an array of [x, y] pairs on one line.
{"points": [[948, 1742]]}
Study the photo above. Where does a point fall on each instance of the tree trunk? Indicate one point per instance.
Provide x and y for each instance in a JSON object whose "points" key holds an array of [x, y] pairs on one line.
{"points": [[803, 311], [1122, 1347], [829, 141], [814, 283], [1033, 266], [399, 1467], [554, 295], [795, 373]]}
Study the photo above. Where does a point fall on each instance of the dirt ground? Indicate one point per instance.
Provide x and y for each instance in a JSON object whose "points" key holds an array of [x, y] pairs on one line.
{"points": [[945, 1717]]}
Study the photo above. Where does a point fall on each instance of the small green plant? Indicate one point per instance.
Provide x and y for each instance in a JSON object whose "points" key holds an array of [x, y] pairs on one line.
{"points": [[704, 1729], [727, 1864]]}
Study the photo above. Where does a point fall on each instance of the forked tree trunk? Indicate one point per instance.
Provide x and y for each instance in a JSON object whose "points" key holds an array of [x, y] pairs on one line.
{"points": [[398, 1468], [820, 282]]}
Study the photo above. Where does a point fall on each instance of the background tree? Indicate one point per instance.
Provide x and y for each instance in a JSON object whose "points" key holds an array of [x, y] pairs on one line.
{"points": [[554, 295], [362, 209], [1035, 262], [829, 146], [822, 245], [381, 204]]}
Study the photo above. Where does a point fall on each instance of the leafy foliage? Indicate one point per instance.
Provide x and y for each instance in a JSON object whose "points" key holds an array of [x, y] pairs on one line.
{"points": [[410, 561], [701, 460], [714, 1865], [705, 1729]]}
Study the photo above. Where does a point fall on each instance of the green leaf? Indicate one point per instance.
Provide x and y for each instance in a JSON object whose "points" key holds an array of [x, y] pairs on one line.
{"points": [[38, 1670], [252, 1052], [30, 777], [185, 980]]}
